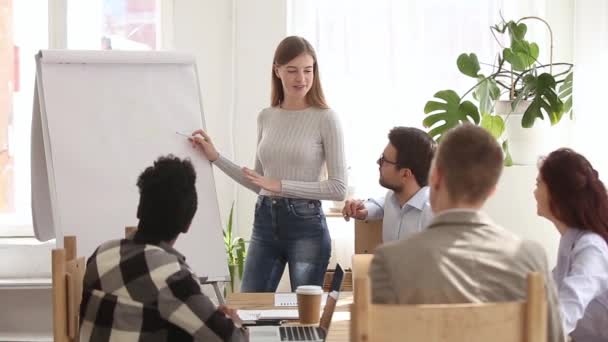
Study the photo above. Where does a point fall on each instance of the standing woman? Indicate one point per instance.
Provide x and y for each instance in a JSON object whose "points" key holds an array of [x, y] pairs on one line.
{"points": [[297, 136], [570, 194]]}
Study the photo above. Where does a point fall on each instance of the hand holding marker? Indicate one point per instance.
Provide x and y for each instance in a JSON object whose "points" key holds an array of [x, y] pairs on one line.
{"points": [[201, 140], [188, 135]]}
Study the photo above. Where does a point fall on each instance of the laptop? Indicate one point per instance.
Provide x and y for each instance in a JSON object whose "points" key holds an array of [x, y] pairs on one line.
{"points": [[303, 332]]}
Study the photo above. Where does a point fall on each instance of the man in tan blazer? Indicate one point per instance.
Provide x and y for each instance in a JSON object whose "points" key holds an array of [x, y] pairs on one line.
{"points": [[463, 256]]}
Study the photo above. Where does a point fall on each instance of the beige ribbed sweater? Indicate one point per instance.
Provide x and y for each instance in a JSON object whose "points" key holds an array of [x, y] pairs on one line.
{"points": [[293, 146]]}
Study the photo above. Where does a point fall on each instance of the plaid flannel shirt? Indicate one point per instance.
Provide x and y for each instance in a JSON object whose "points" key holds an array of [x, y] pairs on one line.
{"points": [[135, 291]]}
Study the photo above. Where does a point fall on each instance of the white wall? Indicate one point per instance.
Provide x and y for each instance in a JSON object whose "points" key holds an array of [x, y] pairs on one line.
{"points": [[513, 207], [260, 26], [204, 28]]}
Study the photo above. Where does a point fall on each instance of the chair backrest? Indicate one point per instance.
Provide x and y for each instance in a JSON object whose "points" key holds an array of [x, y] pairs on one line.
{"points": [[68, 274], [368, 235], [361, 263], [471, 322], [359, 308]]}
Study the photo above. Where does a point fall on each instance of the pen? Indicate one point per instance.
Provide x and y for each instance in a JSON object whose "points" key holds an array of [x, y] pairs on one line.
{"points": [[183, 134], [188, 135]]}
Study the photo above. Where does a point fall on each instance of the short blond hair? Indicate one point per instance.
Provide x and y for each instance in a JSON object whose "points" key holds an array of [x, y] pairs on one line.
{"points": [[471, 161]]}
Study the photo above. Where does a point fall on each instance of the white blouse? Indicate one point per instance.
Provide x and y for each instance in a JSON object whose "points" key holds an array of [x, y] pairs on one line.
{"points": [[581, 277]]}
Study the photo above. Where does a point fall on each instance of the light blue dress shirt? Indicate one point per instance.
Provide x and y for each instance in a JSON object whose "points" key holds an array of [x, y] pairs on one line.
{"points": [[581, 277], [400, 222]]}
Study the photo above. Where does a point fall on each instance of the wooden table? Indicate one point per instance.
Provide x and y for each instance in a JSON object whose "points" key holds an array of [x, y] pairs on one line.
{"points": [[340, 324]]}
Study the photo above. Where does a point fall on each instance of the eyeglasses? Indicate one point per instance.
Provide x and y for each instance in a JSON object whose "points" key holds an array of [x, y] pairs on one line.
{"points": [[383, 160]]}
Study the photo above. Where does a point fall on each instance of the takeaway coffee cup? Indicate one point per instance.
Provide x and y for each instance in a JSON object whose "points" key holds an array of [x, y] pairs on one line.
{"points": [[309, 303]]}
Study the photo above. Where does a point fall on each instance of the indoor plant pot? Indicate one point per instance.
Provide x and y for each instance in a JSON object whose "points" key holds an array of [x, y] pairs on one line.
{"points": [[542, 92], [527, 145]]}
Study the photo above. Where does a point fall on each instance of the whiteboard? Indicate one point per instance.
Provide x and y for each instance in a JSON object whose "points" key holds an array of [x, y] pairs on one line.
{"points": [[100, 118]]}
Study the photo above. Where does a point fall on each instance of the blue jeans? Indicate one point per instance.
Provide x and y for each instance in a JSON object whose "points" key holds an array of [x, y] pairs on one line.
{"points": [[286, 230]]}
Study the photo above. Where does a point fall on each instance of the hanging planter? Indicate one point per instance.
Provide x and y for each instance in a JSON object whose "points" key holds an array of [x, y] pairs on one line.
{"points": [[527, 145], [539, 95]]}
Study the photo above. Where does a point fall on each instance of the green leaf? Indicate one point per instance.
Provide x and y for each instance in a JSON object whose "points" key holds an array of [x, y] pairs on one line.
{"points": [[521, 55], [235, 249], [516, 31], [508, 161], [545, 101], [229, 227], [486, 93], [231, 270], [565, 94], [240, 256], [447, 114], [468, 64], [493, 124]]}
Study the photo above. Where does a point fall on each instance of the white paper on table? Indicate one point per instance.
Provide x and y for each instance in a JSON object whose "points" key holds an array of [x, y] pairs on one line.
{"points": [[291, 299]]}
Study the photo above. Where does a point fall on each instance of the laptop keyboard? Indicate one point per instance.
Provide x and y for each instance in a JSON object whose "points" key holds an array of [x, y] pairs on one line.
{"points": [[299, 333]]}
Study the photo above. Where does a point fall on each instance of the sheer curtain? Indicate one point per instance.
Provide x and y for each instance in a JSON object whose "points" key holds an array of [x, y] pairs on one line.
{"points": [[591, 71], [381, 60]]}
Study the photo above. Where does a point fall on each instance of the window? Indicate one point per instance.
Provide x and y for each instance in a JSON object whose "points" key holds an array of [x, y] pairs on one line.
{"points": [[392, 56], [27, 26], [23, 31], [112, 24]]}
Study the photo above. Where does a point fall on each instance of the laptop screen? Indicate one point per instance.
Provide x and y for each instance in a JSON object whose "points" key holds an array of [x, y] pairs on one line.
{"points": [[332, 298], [336, 282]]}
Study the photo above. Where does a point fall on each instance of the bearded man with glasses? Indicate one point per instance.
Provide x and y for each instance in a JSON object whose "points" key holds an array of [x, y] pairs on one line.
{"points": [[404, 167]]}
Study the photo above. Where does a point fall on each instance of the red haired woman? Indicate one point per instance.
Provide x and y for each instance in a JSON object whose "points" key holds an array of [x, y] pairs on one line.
{"points": [[570, 194]]}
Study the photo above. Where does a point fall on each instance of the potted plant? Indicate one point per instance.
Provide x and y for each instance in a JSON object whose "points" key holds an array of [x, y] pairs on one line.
{"points": [[236, 252], [532, 91]]}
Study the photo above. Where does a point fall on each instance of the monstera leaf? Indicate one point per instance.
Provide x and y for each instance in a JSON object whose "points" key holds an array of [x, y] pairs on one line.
{"points": [[468, 64], [545, 100], [450, 113], [493, 124], [565, 94], [486, 93], [521, 55], [516, 31]]}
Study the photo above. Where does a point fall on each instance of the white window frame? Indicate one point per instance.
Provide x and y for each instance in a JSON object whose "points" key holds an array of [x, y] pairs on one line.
{"points": [[58, 39]]}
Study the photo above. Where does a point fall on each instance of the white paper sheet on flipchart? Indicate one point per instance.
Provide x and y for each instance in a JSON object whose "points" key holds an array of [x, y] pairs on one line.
{"points": [[254, 315], [65, 86], [291, 299]]}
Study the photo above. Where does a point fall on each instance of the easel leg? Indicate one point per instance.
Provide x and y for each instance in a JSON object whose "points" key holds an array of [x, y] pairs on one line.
{"points": [[218, 294]]}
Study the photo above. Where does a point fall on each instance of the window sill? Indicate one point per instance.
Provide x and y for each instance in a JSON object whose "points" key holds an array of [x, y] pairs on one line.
{"points": [[26, 263]]}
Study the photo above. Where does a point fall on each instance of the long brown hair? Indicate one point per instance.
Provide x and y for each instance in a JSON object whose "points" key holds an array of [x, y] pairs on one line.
{"points": [[577, 196], [290, 48]]}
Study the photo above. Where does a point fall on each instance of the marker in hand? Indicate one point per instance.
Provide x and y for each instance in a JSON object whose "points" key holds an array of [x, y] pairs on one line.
{"points": [[188, 135]]}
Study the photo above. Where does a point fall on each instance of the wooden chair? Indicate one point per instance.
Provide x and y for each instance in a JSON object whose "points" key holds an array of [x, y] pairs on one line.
{"points": [[474, 322], [67, 275], [361, 263], [368, 235]]}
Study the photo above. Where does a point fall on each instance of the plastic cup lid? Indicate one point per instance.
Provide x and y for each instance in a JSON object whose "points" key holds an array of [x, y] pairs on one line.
{"points": [[309, 290]]}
